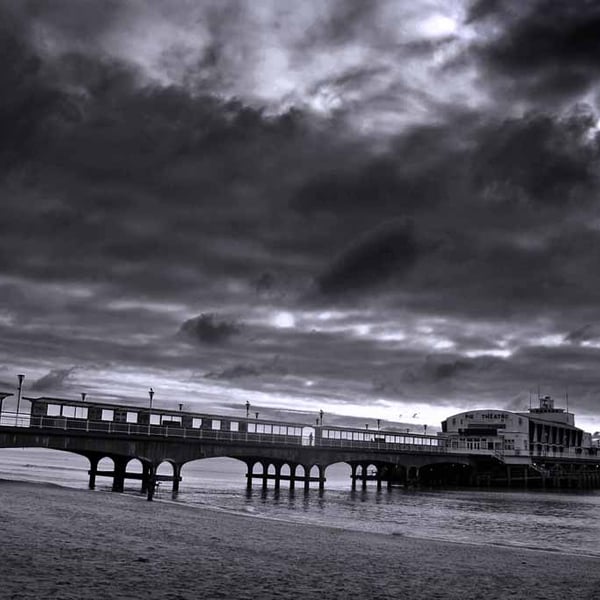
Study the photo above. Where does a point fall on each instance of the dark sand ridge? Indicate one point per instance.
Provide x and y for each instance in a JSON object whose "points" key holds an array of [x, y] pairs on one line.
{"points": [[76, 544]]}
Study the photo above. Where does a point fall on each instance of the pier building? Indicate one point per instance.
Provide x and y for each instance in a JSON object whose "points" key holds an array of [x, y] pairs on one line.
{"points": [[542, 440]]}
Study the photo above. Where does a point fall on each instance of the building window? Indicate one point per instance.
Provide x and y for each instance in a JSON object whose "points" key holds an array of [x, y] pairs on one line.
{"points": [[81, 412], [68, 411]]}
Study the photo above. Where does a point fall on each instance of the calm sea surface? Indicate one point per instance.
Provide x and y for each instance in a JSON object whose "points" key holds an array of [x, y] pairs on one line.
{"points": [[565, 522]]}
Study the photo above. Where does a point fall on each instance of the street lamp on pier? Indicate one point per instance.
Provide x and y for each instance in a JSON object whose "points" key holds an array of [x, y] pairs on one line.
{"points": [[247, 409], [256, 414], [83, 395], [151, 396], [321, 416], [19, 391]]}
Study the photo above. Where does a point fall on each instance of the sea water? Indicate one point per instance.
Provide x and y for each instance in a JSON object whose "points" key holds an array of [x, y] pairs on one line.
{"points": [[564, 522]]}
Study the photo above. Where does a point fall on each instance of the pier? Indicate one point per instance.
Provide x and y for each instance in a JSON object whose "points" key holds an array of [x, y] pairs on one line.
{"points": [[276, 451]]}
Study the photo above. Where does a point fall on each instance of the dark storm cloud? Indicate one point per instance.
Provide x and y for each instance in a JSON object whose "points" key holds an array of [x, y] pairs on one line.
{"points": [[54, 380], [270, 367], [587, 333], [31, 101], [372, 260], [208, 329], [544, 49], [543, 159]]}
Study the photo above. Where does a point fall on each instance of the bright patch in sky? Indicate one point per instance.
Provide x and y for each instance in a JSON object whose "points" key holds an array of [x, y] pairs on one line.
{"points": [[284, 320], [438, 26]]}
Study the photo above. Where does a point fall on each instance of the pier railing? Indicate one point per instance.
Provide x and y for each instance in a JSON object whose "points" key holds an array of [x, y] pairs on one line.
{"points": [[201, 434], [378, 443]]}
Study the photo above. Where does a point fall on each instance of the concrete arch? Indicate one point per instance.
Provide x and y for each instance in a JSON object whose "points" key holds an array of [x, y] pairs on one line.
{"points": [[135, 465]]}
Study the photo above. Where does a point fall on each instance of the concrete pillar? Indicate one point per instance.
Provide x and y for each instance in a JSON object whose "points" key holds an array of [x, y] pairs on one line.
{"points": [[151, 482], [321, 478], [92, 472], [265, 475], [365, 474], [508, 475], [176, 479], [306, 478], [353, 475], [293, 476], [145, 478], [379, 475], [277, 476], [119, 475], [249, 475]]}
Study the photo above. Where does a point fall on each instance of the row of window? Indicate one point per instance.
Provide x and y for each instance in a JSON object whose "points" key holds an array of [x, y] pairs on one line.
{"points": [[108, 414], [274, 429], [365, 436], [72, 412], [488, 444]]}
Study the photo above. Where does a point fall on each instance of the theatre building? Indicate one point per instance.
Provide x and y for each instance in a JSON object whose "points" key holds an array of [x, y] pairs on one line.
{"points": [[543, 441]]}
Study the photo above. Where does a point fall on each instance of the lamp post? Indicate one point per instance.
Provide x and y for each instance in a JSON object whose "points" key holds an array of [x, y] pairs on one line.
{"points": [[20, 378], [378, 424], [256, 414], [83, 395], [321, 416], [247, 409], [151, 396]]}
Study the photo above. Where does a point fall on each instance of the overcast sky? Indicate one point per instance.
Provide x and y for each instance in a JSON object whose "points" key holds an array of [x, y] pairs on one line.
{"points": [[379, 209]]}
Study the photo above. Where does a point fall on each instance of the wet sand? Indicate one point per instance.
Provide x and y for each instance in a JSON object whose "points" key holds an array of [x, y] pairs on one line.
{"points": [[75, 544]]}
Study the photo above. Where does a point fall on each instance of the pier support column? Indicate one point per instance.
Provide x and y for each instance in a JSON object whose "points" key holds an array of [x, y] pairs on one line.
{"points": [[176, 479], [353, 475], [92, 472], [379, 477], [265, 475], [306, 478], [277, 476], [151, 482], [365, 474], [293, 476], [119, 475], [508, 475], [249, 475], [321, 478], [145, 478]]}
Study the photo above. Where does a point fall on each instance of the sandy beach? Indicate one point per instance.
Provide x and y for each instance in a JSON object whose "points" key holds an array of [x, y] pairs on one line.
{"points": [[76, 544]]}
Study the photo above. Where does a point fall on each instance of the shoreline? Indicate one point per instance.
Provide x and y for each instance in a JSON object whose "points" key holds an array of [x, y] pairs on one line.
{"points": [[260, 517], [71, 544]]}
